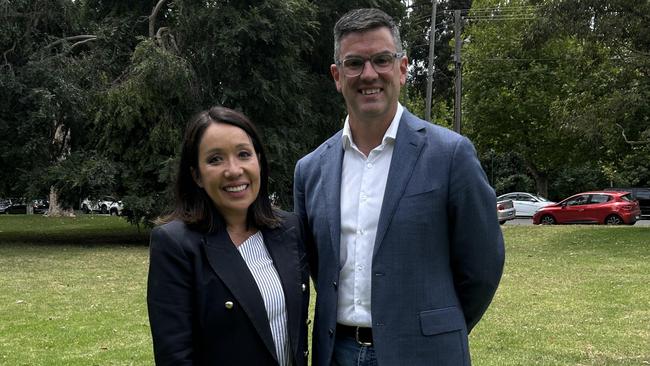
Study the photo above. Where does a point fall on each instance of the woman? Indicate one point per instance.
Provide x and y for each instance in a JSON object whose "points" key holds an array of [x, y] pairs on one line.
{"points": [[228, 278]]}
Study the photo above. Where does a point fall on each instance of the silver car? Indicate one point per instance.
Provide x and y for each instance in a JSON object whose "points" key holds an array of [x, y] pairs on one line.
{"points": [[505, 211]]}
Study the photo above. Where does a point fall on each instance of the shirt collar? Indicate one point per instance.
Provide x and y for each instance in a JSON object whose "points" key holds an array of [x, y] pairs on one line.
{"points": [[389, 136]]}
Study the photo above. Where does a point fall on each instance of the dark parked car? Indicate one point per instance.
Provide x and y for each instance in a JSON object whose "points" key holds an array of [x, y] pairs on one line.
{"points": [[4, 204], [640, 194], [600, 207], [40, 207], [13, 206]]}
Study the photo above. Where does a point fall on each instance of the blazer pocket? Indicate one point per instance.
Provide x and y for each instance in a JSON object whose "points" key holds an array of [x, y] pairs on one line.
{"points": [[441, 321], [412, 191]]}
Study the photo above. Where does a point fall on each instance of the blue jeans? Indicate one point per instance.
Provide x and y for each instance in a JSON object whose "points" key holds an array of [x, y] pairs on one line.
{"points": [[347, 352]]}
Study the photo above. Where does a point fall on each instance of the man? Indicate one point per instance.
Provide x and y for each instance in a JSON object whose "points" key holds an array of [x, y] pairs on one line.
{"points": [[407, 251]]}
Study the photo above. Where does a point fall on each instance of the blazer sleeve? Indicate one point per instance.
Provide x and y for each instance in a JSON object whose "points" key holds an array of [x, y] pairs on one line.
{"points": [[477, 254], [300, 209], [169, 300]]}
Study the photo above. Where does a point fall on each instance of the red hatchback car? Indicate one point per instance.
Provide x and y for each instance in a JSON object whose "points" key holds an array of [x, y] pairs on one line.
{"points": [[611, 208]]}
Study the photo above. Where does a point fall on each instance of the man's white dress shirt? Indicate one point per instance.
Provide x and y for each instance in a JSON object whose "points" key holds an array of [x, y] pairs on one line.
{"points": [[363, 182]]}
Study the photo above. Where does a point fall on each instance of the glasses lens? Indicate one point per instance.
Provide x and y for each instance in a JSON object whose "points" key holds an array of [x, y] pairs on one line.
{"points": [[383, 62], [353, 66]]}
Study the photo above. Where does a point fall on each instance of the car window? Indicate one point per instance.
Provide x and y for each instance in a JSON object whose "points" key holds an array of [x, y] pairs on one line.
{"points": [[627, 197], [600, 198], [542, 199], [579, 200], [525, 198]]}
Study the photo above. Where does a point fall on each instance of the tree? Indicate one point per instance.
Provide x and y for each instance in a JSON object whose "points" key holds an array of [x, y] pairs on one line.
{"points": [[116, 81], [416, 28], [610, 104], [43, 91]]}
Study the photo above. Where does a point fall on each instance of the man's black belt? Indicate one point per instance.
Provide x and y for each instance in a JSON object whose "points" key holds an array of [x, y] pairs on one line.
{"points": [[362, 335]]}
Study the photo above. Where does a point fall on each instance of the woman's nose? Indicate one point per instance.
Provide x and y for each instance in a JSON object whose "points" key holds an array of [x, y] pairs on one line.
{"points": [[233, 170]]}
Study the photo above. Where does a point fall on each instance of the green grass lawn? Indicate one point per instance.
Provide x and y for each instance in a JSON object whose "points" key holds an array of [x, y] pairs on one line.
{"points": [[72, 292]]}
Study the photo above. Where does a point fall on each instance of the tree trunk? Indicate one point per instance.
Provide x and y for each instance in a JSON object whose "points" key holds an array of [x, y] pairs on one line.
{"points": [[541, 179], [61, 149], [55, 208]]}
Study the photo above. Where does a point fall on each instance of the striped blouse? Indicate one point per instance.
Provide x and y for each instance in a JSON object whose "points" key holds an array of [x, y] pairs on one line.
{"points": [[260, 264]]}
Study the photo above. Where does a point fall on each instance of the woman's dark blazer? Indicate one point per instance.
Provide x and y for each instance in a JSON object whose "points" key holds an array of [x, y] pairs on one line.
{"points": [[204, 305]]}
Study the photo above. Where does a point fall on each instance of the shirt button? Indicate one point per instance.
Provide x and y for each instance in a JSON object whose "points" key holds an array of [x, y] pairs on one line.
{"points": [[358, 302], [369, 165]]}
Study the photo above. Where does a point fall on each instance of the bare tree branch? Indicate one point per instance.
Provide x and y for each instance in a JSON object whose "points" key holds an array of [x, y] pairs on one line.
{"points": [[631, 142], [5, 53], [152, 18], [71, 38], [82, 42], [159, 34]]}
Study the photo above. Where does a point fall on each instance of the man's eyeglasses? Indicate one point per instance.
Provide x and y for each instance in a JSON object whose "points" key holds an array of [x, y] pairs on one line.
{"points": [[382, 63]]}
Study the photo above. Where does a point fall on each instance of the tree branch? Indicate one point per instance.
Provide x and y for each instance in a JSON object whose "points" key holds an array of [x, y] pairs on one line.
{"points": [[152, 18], [4, 54], [631, 142], [82, 42], [159, 34], [71, 38]]}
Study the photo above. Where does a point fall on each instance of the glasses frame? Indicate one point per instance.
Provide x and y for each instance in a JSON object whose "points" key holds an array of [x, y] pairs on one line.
{"points": [[339, 63]]}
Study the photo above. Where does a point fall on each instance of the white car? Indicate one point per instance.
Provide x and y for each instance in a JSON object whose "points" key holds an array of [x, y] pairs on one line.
{"points": [[105, 205], [525, 203]]}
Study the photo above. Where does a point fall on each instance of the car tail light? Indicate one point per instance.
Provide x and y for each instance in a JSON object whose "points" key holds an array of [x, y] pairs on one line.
{"points": [[501, 207]]}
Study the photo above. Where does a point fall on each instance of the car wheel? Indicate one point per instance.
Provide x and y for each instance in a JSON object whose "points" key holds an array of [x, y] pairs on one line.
{"points": [[85, 209], [502, 222], [547, 220], [104, 209], [613, 220]]}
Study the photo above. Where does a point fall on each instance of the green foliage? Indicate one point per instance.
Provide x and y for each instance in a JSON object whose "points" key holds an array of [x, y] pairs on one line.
{"points": [[556, 94], [544, 98], [81, 175], [415, 31]]}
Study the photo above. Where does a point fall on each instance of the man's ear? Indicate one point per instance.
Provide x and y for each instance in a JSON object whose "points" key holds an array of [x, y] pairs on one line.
{"points": [[197, 177], [334, 70], [403, 69]]}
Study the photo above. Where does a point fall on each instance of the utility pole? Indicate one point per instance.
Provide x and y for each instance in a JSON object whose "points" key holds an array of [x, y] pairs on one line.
{"points": [[432, 45], [458, 78]]}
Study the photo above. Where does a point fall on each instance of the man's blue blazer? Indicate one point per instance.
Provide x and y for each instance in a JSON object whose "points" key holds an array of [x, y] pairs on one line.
{"points": [[438, 254]]}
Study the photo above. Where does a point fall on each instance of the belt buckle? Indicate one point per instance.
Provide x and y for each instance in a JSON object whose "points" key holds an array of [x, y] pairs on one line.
{"points": [[356, 338]]}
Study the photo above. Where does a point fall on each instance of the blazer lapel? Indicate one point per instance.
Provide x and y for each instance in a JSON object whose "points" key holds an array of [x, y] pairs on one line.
{"points": [[284, 252], [228, 264], [331, 164], [408, 145]]}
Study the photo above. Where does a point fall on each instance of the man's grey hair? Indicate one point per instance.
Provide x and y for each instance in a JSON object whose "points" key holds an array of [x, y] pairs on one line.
{"points": [[361, 20]]}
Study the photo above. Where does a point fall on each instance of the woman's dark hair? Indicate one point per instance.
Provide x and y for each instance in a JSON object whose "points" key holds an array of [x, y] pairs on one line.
{"points": [[192, 204]]}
